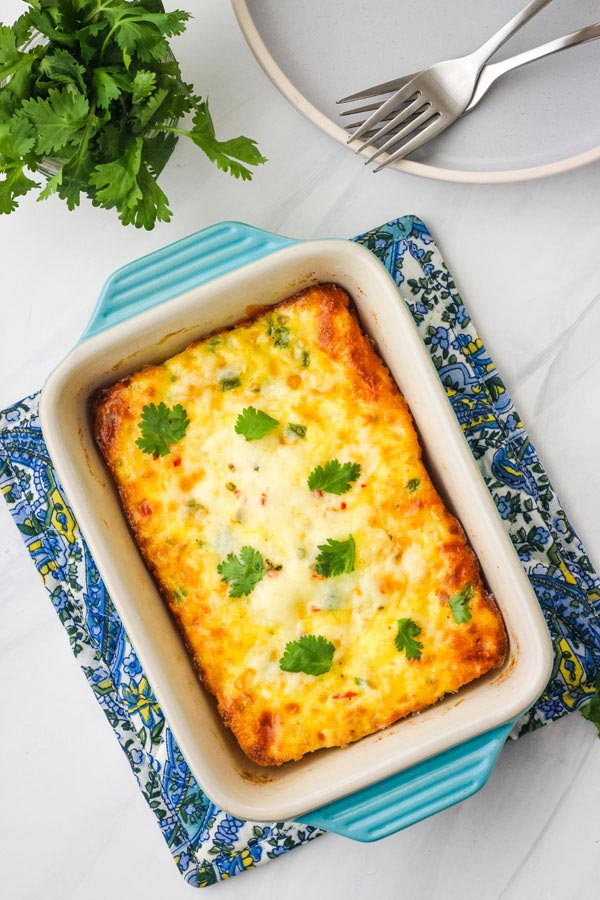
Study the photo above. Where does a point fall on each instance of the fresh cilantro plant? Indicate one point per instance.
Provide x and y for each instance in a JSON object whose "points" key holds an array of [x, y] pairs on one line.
{"points": [[311, 654], [405, 641], [161, 427], [459, 604], [336, 557], [254, 424], [334, 477], [242, 574], [99, 93]]}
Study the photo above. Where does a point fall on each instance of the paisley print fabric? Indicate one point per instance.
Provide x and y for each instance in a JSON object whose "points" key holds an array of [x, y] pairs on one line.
{"points": [[207, 844]]}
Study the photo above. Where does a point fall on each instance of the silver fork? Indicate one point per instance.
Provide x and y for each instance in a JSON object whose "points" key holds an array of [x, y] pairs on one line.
{"points": [[489, 74], [433, 99]]}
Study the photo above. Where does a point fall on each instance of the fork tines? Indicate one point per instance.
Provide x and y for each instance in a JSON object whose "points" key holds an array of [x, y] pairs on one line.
{"points": [[406, 116]]}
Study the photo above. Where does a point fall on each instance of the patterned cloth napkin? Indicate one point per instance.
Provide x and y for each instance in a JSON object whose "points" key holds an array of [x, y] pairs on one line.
{"points": [[207, 844]]}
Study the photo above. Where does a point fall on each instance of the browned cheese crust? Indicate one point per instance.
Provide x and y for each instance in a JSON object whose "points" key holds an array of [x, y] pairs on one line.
{"points": [[304, 362]]}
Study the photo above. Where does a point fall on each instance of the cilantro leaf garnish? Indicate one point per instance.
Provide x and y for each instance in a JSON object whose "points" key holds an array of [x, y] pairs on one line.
{"points": [[336, 557], [334, 477], [242, 574], [591, 710], [408, 630], [104, 98], [459, 604], [253, 423], [161, 427], [311, 654]]}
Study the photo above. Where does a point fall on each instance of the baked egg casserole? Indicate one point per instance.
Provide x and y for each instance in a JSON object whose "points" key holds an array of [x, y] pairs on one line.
{"points": [[272, 477]]}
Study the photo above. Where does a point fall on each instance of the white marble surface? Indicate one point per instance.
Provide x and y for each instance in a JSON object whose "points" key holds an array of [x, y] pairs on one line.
{"points": [[73, 824]]}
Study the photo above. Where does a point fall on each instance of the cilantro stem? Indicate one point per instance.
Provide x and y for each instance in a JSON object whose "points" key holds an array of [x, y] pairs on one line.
{"points": [[86, 134], [173, 129], [107, 39], [100, 9]]}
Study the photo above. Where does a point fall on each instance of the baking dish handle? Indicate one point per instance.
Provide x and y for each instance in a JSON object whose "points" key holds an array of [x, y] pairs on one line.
{"points": [[424, 789], [179, 267]]}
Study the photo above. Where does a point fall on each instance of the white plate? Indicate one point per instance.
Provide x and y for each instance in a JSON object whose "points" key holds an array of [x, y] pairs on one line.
{"points": [[536, 121]]}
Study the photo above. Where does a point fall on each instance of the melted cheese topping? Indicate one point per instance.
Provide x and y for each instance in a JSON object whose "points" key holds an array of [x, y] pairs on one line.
{"points": [[304, 362]]}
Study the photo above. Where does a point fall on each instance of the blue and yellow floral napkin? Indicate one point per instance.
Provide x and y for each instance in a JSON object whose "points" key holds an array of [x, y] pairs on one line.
{"points": [[207, 844]]}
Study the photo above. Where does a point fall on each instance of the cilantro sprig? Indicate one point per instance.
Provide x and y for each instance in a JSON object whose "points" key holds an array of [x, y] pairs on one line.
{"points": [[161, 427], [311, 654], [336, 557], [334, 477], [242, 573], [405, 640], [102, 95], [459, 604], [254, 424]]}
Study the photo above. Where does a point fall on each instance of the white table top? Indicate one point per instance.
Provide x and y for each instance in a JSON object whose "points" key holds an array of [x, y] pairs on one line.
{"points": [[525, 256]]}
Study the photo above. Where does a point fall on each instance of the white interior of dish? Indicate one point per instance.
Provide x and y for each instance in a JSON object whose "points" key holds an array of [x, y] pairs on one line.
{"points": [[228, 777]]}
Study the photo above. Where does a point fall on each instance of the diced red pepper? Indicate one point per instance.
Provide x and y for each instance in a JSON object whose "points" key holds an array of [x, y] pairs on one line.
{"points": [[177, 461], [346, 696]]}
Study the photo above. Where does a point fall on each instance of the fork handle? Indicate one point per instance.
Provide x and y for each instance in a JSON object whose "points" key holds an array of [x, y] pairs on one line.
{"points": [[500, 37], [493, 71]]}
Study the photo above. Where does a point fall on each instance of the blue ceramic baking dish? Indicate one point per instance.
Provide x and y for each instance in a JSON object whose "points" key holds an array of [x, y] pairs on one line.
{"points": [[149, 310]]}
